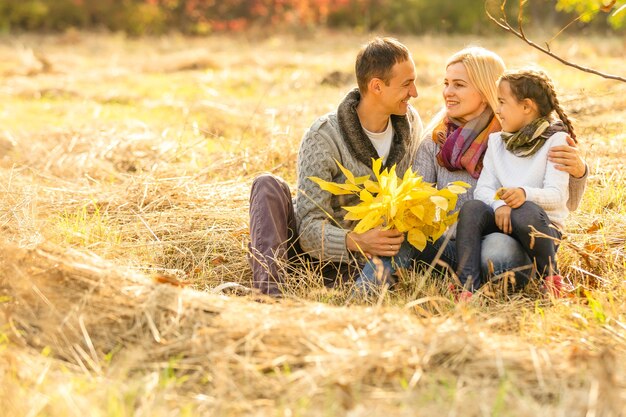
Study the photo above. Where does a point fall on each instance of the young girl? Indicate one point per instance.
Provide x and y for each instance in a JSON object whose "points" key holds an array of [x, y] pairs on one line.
{"points": [[519, 189]]}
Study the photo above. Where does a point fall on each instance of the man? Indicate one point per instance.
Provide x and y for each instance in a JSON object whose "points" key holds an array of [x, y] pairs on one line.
{"points": [[373, 121]]}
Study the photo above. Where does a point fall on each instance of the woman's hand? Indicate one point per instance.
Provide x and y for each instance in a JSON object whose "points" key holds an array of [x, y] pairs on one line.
{"points": [[566, 158], [513, 197], [375, 242], [503, 219]]}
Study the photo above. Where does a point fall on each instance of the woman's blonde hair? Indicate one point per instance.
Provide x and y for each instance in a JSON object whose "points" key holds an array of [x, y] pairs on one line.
{"points": [[484, 67]]}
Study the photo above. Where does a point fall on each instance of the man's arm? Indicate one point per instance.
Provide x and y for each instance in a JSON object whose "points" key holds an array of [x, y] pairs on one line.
{"points": [[320, 233]]}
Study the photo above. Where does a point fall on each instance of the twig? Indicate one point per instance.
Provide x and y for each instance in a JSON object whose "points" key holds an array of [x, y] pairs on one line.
{"points": [[504, 24]]}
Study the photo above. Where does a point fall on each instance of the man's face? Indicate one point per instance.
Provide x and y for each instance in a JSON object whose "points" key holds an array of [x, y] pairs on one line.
{"points": [[396, 93]]}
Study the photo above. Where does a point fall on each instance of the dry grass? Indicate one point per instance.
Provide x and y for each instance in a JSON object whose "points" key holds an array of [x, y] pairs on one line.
{"points": [[125, 169]]}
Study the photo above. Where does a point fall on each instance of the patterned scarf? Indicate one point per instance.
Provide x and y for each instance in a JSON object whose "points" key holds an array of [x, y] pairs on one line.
{"points": [[464, 146], [530, 138]]}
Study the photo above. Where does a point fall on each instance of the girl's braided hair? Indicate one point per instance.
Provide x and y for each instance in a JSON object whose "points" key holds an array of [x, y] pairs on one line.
{"points": [[538, 87]]}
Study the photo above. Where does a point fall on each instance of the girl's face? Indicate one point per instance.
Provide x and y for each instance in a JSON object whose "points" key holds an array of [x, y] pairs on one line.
{"points": [[513, 113], [463, 100]]}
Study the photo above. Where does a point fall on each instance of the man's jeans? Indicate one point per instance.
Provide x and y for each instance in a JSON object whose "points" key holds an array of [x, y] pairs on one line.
{"points": [[477, 219], [378, 271], [500, 253]]}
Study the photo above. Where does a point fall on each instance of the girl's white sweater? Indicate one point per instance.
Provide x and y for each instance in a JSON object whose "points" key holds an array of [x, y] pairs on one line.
{"points": [[543, 183]]}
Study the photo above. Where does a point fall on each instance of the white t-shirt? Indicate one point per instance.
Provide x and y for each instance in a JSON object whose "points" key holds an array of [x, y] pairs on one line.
{"points": [[382, 141]]}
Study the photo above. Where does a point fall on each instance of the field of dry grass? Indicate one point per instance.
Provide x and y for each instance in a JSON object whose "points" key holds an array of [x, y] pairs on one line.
{"points": [[125, 168]]}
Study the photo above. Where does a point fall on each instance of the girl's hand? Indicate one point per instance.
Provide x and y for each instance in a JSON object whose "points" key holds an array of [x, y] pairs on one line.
{"points": [[503, 219], [566, 158], [513, 197]]}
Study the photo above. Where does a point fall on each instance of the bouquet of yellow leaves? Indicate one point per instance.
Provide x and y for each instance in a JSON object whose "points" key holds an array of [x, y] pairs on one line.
{"points": [[407, 204]]}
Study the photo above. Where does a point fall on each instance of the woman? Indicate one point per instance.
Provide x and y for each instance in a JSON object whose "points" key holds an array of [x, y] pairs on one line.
{"points": [[454, 145]]}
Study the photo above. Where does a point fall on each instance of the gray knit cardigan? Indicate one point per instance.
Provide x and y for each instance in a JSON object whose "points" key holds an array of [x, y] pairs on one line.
{"points": [[339, 136]]}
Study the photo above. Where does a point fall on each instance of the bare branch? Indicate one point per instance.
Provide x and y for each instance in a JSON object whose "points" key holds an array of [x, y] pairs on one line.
{"points": [[504, 24], [520, 17]]}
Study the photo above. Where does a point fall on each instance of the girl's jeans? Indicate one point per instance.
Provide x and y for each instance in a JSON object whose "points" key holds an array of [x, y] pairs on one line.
{"points": [[477, 219]]}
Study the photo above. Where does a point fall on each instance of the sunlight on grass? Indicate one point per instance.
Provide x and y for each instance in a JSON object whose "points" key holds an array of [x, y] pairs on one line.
{"points": [[87, 226], [134, 157]]}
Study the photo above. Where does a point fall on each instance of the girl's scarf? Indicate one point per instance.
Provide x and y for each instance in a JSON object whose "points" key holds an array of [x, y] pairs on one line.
{"points": [[464, 146], [530, 138]]}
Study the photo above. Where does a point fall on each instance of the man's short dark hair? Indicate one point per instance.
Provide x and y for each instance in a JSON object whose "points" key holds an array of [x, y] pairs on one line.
{"points": [[376, 60]]}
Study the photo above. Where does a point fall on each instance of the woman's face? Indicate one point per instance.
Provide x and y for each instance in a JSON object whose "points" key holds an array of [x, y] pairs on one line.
{"points": [[463, 100]]}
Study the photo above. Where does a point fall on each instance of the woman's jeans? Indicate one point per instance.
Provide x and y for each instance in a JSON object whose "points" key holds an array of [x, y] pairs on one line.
{"points": [[477, 219], [500, 253]]}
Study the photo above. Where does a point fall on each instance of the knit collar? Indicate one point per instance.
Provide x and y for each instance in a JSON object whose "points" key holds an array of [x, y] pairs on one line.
{"points": [[530, 138], [356, 139]]}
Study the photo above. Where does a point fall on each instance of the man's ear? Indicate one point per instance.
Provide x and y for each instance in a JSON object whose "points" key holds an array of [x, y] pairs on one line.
{"points": [[375, 85]]}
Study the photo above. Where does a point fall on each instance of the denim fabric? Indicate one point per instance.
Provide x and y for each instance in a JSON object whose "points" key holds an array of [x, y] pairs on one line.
{"points": [[541, 250], [379, 270], [431, 254], [501, 250], [505, 254], [477, 219]]}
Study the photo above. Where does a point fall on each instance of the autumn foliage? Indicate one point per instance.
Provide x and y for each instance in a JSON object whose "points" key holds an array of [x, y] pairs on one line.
{"points": [[154, 16], [407, 204], [208, 16]]}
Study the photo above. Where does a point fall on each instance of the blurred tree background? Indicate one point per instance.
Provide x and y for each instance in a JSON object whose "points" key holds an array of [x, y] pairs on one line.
{"points": [[139, 17]]}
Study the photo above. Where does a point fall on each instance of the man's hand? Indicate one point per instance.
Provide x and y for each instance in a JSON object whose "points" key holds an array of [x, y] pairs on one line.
{"points": [[566, 158], [375, 242], [503, 219], [513, 197]]}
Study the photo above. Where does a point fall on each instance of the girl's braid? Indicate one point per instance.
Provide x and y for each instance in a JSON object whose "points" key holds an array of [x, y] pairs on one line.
{"points": [[543, 93], [547, 84]]}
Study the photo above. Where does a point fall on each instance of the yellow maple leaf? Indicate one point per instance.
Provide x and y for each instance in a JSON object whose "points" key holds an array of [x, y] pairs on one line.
{"points": [[371, 220], [334, 188], [366, 196], [417, 238]]}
